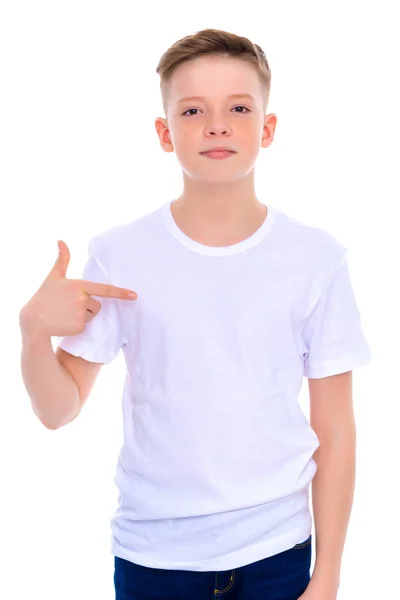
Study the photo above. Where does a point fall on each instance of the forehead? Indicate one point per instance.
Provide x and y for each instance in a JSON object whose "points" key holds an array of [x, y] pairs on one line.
{"points": [[214, 76]]}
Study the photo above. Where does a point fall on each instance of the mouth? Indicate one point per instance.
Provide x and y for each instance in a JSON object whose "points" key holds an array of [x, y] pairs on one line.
{"points": [[220, 153]]}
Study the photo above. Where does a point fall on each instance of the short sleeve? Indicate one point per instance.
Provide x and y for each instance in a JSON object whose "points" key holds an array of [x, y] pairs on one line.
{"points": [[102, 337], [333, 333]]}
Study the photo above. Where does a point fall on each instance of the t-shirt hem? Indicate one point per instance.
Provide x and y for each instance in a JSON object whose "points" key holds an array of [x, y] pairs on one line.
{"points": [[90, 353], [233, 561], [340, 365]]}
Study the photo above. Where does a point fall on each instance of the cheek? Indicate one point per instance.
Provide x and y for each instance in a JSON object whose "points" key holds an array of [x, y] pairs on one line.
{"points": [[250, 137], [248, 127], [184, 135]]}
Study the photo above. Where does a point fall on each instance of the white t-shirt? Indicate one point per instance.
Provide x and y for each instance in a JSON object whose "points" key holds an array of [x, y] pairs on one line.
{"points": [[216, 463]]}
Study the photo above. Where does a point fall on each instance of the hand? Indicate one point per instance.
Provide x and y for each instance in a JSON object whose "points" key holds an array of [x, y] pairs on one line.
{"points": [[63, 306], [319, 590], [317, 595]]}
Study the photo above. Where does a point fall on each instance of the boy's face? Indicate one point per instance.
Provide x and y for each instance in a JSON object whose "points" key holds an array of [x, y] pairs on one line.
{"points": [[216, 120]]}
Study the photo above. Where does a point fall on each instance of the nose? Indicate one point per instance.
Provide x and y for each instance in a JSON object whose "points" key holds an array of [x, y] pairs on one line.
{"points": [[213, 129]]}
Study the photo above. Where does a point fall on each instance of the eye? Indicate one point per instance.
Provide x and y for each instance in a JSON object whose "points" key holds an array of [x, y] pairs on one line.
{"points": [[189, 109], [242, 107]]}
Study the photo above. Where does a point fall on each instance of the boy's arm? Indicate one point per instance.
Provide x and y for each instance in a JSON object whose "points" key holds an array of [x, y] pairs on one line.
{"points": [[52, 390], [332, 419], [84, 373], [57, 383]]}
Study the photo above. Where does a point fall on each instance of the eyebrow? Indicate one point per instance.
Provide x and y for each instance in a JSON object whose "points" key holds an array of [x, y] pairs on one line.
{"points": [[186, 98]]}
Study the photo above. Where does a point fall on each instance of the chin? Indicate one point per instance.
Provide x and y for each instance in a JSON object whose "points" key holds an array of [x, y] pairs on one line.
{"points": [[217, 178], [216, 173]]}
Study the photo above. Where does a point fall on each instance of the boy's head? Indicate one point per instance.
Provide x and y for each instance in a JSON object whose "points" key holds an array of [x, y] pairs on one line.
{"points": [[215, 65]]}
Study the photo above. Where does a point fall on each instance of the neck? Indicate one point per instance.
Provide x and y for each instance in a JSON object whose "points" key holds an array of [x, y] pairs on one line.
{"points": [[218, 214], [219, 206]]}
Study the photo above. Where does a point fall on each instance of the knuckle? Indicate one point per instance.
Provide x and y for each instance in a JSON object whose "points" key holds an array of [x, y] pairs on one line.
{"points": [[82, 296]]}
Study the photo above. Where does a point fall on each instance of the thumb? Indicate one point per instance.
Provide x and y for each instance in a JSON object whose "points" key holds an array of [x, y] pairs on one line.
{"points": [[60, 267]]}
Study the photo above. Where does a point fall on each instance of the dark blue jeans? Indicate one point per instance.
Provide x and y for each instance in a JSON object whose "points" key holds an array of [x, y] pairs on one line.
{"points": [[284, 576]]}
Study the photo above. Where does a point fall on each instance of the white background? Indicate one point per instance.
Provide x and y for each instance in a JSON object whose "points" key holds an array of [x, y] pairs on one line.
{"points": [[79, 153]]}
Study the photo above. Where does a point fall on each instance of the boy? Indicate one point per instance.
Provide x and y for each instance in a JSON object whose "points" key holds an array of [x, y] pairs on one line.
{"points": [[236, 302]]}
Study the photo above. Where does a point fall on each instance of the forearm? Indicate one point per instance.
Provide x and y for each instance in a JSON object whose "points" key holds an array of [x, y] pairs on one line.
{"points": [[52, 390], [332, 499]]}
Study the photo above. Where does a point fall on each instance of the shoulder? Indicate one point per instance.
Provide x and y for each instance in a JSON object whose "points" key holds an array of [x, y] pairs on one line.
{"points": [[309, 242], [117, 242]]}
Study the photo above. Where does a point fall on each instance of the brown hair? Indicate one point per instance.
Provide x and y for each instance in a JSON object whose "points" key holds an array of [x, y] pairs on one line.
{"points": [[212, 42]]}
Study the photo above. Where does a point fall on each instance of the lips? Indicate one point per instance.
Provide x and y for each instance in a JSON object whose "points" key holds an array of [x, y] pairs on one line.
{"points": [[218, 153], [218, 150]]}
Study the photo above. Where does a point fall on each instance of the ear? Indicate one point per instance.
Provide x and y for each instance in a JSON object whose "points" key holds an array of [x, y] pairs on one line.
{"points": [[268, 130], [164, 134]]}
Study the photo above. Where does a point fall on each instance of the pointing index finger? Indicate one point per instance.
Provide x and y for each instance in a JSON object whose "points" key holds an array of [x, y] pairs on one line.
{"points": [[107, 290]]}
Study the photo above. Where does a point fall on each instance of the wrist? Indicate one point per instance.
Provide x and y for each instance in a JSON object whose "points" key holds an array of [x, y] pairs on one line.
{"points": [[30, 334], [325, 580]]}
